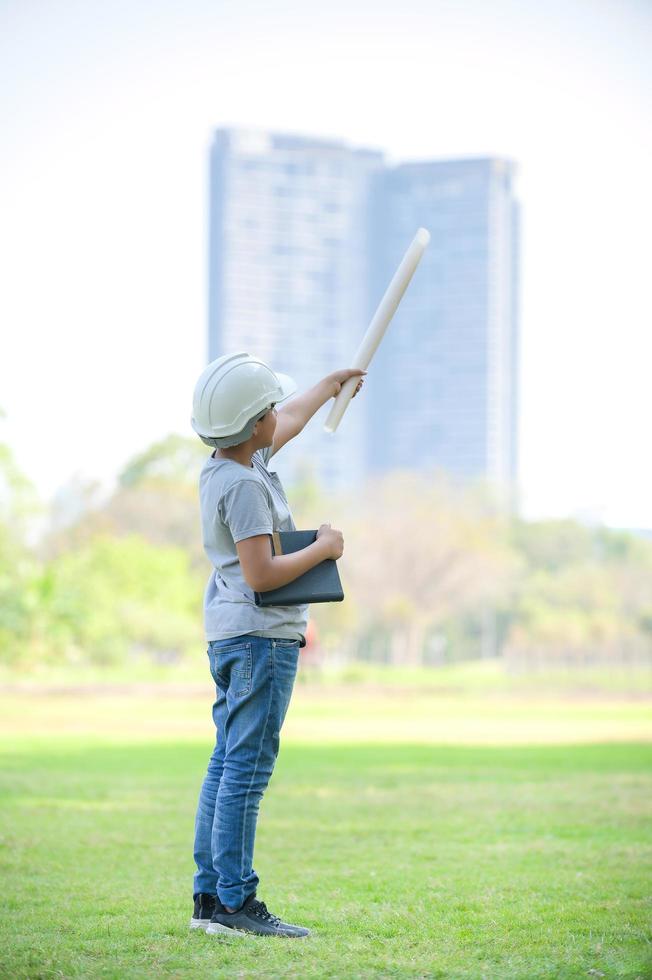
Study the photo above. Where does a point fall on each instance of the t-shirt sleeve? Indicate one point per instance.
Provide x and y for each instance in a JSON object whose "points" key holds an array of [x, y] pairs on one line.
{"points": [[245, 510]]}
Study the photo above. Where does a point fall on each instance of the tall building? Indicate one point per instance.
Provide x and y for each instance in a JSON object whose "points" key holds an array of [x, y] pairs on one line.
{"points": [[288, 271], [304, 237], [446, 372]]}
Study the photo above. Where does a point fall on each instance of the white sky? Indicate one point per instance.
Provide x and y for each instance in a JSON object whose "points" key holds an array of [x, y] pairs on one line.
{"points": [[107, 112]]}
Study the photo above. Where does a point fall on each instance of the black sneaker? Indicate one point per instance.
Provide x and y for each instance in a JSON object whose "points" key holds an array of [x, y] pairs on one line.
{"points": [[252, 916], [205, 906]]}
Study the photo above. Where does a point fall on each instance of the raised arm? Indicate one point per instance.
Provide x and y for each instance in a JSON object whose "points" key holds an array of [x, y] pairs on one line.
{"points": [[293, 416]]}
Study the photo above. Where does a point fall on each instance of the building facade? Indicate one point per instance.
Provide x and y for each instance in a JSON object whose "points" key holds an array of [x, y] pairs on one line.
{"points": [[288, 270], [448, 365]]}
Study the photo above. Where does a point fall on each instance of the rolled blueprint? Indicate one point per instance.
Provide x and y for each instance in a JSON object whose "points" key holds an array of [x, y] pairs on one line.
{"points": [[381, 320]]}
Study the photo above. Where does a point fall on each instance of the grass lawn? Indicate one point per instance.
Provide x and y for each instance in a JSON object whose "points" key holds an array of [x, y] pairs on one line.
{"points": [[405, 859]]}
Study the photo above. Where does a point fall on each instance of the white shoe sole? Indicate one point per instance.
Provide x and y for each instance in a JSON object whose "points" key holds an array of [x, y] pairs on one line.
{"points": [[202, 924], [217, 929]]}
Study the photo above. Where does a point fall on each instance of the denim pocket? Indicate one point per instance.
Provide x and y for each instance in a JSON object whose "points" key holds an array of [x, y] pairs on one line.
{"points": [[232, 667]]}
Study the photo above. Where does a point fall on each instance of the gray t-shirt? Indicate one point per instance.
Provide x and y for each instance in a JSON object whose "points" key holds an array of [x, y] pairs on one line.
{"points": [[239, 502]]}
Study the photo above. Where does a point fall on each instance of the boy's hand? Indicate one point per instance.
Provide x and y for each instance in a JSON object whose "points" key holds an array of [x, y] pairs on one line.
{"points": [[339, 377], [332, 539]]}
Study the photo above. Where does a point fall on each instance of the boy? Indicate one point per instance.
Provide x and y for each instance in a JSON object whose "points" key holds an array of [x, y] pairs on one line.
{"points": [[253, 651]]}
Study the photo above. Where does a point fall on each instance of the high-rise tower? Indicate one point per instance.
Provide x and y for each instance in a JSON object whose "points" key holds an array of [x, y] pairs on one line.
{"points": [[288, 270], [445, 385]]}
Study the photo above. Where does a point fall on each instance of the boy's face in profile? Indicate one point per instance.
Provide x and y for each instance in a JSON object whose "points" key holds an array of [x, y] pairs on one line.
{"points": [[262, 436], [266, 428]]}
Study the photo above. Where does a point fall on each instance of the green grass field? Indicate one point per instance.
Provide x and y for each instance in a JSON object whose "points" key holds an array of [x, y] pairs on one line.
{"points": [[498, 859]]}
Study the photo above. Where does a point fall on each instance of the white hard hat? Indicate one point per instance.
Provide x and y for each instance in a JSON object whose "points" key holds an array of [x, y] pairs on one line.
{"points": [[232, 393]]}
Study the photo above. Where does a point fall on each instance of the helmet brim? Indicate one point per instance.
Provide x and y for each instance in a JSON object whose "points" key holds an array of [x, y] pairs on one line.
{"points": [[288, 386]]}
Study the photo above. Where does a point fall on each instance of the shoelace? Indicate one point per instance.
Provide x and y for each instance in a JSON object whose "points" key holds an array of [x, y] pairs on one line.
{"points": [[260, 909]]}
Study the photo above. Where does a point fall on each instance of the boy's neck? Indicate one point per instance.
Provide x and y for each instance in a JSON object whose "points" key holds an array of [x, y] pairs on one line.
{"points": [[244, 459]]}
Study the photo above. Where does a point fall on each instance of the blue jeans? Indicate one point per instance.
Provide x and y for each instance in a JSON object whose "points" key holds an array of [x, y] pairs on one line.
{"points": [[254, 677]]}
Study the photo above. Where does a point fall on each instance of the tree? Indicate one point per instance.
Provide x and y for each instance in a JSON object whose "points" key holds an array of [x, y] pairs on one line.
{"points": [[19, 506], [114, 598], [418, 552], [586, 594], [175, 460], [156, 497]]}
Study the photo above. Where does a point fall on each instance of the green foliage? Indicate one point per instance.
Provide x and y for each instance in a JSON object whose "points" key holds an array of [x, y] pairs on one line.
{"points": [[115, 598], [550, 545], [19, 570], [432, 571], [19, 595], [175, 459], [19, 503], [585, 592]]}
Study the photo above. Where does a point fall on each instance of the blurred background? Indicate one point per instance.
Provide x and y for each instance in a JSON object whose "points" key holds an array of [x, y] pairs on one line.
{"points": [[183, 181], [179, 180]]}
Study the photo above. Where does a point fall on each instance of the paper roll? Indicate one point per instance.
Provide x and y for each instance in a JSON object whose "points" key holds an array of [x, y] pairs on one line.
{"points": [[381, 320]]}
